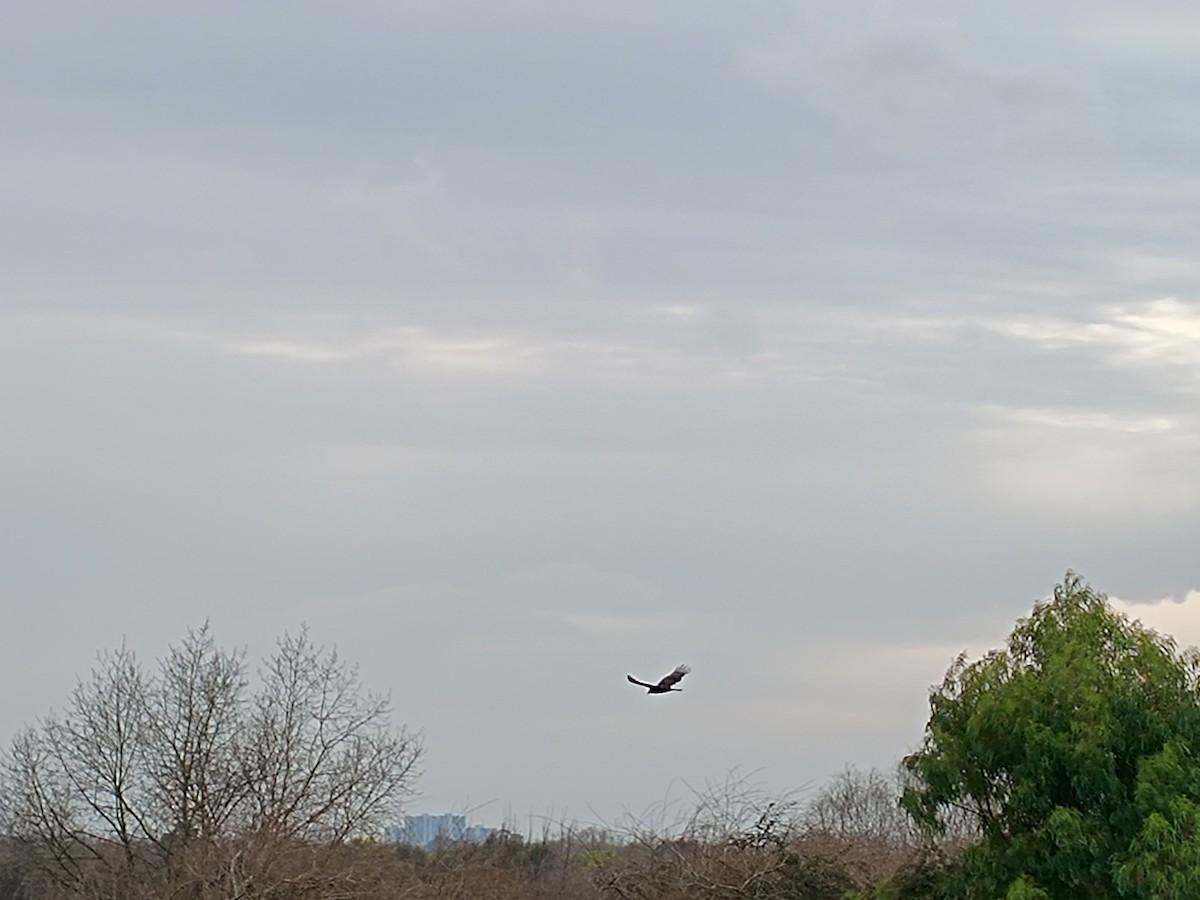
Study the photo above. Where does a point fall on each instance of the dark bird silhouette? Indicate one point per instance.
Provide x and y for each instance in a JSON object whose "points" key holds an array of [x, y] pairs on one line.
{"points": [[667, 684]]}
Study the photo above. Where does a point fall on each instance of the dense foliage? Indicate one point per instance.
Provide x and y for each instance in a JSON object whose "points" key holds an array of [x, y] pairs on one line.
{"points": [[1071, 751]]}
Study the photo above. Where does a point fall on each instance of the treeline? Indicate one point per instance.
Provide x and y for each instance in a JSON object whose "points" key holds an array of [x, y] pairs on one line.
{"points": [[850, 839], [1062, 765]]}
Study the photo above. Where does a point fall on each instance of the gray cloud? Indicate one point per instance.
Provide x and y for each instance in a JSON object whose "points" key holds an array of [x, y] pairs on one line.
{"points": [[806, 344]]}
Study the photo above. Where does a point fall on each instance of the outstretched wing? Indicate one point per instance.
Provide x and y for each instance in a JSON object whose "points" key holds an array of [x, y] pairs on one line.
{"points": [[675, 677], [635, 681]]}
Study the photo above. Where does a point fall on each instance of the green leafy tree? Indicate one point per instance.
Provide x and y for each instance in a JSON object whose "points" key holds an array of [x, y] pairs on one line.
{"points": [[1071, 751]]}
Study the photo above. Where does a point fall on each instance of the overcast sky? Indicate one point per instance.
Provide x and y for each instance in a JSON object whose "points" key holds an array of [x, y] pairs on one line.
{"points": [[515, 346]]}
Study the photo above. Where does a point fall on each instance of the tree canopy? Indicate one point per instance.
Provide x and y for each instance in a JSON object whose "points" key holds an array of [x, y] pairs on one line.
{"points": [[184, 781], [1071, 751]]}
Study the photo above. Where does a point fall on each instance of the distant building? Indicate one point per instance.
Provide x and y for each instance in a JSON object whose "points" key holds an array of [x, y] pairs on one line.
{"points": [[433, 831]]}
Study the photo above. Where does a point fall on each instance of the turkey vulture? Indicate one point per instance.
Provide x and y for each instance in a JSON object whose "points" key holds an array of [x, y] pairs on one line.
{"points": [[667, 682]]}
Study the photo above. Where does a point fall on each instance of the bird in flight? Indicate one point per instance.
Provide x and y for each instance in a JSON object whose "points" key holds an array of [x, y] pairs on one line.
{"points": [[666, 684]]}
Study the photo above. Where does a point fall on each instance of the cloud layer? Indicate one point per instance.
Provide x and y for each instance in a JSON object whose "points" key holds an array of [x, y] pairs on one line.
{"points": [[518, 348]]}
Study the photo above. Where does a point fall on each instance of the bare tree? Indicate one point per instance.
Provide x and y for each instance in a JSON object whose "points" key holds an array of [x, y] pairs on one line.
{"points": [[863, 806], [74, 786], [187, 777], [737, 844], [322, 764], [192, 752]]}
